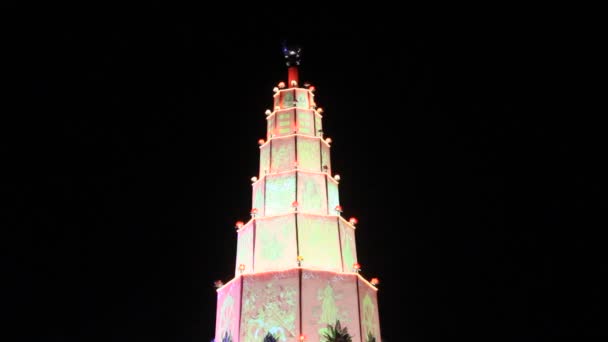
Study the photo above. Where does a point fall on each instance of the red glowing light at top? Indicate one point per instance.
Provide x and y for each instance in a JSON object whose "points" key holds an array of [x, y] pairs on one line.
{"points": [[294, 204], [339, 208], [375, 281], [261, 141], [353, 220], [311, 88], [239, 224], [281, 85], [357, 266], [302, 338]]}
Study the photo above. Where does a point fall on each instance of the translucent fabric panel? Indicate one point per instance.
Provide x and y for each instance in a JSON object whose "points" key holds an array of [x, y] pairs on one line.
{"points": [[264, 160], [325, 161], [302, 98], [312, 196], [368, 304], [275, 243], [318, 125], [244, 249], [285, 122], [305, 122], [309, 154], [276, 100], [288, 99], [271, 304], [228, 310], [270, 126], [283, 154], [280, 193], [333, 197], [326, 298], [349, 247], [318, 242], [258, 197]]}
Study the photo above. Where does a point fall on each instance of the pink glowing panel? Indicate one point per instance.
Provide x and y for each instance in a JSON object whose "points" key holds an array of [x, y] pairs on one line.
{"points": [[325, 161], [270, 125], [244, 249], [318, 242], [333, 198], [302, 98], [349, 248], [283, 154], [258, 197], [368, 305], [312, 197], [305, 122], [264, 160], [275, 243], [309, 154], [285, 122], [276, 100], [326, 298], [318, 125], [271, 304], [280, 193], [228, 308], [288, 99]]}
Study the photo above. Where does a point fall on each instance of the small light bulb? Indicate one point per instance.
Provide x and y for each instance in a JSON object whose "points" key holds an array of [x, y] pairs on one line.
{"points": [[281, 85], [275, 89], [337, 177], [268, 112], [254, 179]]}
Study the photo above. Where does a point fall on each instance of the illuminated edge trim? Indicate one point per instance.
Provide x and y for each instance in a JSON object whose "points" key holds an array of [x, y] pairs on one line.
{"points": [[296, 170]]}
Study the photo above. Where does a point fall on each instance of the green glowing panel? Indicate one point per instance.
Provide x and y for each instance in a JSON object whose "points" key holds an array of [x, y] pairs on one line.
{"points": [[309, 154], [280, 193], [264, 160], [258, 197], [302, 98], [275, 243], [349, 248], [312, 197], [368, 306], [244, 249], [283, 155], [271, 304], [325, 161], [318, 125], [318, 242], [288, 98], [333, 197], [285, 122], [326, 298], [305, 122]]}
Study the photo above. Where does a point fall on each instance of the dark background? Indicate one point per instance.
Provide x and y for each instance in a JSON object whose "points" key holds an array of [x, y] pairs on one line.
{"points": [[131, 142]]}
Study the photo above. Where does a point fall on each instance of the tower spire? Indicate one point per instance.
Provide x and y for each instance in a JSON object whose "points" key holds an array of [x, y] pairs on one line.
{"points": [[292, 60]]}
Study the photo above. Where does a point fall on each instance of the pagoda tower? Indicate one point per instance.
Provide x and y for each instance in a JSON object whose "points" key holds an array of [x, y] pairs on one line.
{"points": [[296, 266]]}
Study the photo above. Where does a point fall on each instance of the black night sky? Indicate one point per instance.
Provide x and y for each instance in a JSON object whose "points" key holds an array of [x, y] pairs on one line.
{"points": [[131, 145]]}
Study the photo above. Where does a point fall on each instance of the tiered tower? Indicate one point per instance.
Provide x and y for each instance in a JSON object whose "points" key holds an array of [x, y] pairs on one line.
{"points": [[296, 264]]}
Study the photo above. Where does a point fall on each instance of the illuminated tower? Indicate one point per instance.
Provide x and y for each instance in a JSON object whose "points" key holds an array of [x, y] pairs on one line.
{"points": [[296, 265]]}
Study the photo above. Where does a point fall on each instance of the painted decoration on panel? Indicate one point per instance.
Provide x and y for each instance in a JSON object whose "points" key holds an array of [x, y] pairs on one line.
{"points": [[368, 304], [244, 249], [333, 198], [309, 154], [275, 243], [318, 125], [302, 98], [285, 122], [349, 247], [258, 197], [305, 122], [325, 161], [318, 242], [288, 99], [280, 193], [228, 308], [270, 126], [283, 154], [311, 193], [264, 160], [271, 304], [326, 298]]}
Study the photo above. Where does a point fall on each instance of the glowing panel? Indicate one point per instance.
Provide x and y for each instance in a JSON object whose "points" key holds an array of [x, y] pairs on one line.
{"points": [[302, 98], [283, 154], [333, 198], [275, 243], [280, 193], [271, 304], [288, 99], [276, 100], [318, 242], [285, 122], [305, 122], [312, 197], [349, 248], [244, 249], [258, 197], [264, 160], [318, 125], [368, 304], [270, 124], [228, 308], [309, 154], [326, 298], [325, 161]]}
